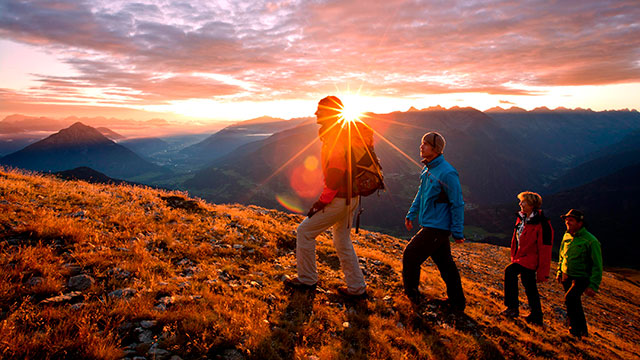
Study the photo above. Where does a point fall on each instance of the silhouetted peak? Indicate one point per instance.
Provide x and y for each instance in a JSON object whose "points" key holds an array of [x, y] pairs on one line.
{"points": [[76, 134]]}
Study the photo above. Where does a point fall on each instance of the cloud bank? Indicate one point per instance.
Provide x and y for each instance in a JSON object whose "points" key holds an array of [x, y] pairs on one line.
{"points": [[156, 52]]}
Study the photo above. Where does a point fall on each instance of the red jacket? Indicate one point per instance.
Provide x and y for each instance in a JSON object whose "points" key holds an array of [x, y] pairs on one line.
{"points": [[534, 249], [334, 158]]}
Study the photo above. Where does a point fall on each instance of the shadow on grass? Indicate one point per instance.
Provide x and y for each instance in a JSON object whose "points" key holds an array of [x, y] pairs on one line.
{"points": [[287, 332], [435, 312], [356, 338]]}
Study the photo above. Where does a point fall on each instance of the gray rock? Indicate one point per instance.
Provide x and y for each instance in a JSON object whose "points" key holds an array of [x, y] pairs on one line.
{"points": [[77, 306], [158, 353], [144, 336], [80, 282], [232, 354], [35, 281], [63, 299], [146, 324], [123, 293]]}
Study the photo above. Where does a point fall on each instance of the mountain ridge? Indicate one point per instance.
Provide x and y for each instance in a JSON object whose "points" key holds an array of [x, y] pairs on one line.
{"points": [[81, 145]]}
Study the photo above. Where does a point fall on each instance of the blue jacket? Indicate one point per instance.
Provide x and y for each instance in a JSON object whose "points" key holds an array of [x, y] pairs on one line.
{"points": [[431, 207]]}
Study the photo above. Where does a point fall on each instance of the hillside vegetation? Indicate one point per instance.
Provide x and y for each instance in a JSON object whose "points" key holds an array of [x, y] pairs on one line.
{"points": [[113, 271]]}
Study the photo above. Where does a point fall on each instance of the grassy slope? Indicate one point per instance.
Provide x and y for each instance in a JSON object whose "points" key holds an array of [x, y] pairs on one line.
{"points": [[209, 277]]}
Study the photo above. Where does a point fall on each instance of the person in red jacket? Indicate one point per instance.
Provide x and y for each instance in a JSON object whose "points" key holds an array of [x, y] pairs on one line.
{"points": [[530, 257], [334, 209]]}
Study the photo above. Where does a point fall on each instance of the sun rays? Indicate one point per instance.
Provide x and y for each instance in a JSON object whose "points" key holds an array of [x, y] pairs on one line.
{"points": [[345, 121]]}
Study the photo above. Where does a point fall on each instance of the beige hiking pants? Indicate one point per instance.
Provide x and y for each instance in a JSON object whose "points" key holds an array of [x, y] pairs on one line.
{"points": [[339, 217]]}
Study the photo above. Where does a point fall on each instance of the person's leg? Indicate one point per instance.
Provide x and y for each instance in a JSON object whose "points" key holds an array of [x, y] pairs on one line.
{"points": [[307, 231], [572, 299], [344, 248], [511, 288], [415, 253], [528, 278], [448, 270]]}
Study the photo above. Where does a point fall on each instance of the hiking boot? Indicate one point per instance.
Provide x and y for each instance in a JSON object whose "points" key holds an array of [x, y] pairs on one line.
{"points": [[533, 319], [295, 284], [456, 307], [510, 313], [449, 305], [578, 333], [414, 297], [344, 291]]}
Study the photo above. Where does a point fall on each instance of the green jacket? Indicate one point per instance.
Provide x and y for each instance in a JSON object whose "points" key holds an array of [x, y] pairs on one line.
{"points": [[580, 256]]}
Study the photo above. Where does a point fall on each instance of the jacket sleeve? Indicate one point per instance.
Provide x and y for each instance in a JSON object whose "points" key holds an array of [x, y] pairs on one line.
{"points": [[334, 176], [415, 205], [545, 242], [452, 187], [560, 258], [596, 269]]}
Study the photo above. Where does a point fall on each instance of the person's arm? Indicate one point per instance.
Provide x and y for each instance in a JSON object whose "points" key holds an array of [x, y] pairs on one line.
{"points": [[596, 268], [545, 241], [451, 185], [560, 261], [414, 209], [334, 177]]}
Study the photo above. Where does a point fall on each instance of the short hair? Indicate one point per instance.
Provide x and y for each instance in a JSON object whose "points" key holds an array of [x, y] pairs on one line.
{"points": [[435, 140], [533, 199], [331, 103]]}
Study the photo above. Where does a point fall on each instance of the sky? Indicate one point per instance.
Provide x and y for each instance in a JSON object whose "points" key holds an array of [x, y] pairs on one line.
{"points": [[199, 61]]}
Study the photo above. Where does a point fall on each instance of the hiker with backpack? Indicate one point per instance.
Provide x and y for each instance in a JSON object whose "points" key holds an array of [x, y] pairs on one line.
{"points": [[530, 257], [337, 203], [439, 209]]}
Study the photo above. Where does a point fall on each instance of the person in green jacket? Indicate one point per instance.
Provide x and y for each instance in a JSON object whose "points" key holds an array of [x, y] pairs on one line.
{"points": [[579, 269]]}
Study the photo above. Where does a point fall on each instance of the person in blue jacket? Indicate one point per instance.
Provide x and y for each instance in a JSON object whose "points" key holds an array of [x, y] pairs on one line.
{"points": [[439, 210]]}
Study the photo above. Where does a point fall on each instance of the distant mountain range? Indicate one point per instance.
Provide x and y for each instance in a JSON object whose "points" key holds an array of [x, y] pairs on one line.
{"points": [[497, 158], [81, 145], [574, 158], [232, 137], [483, 152]]}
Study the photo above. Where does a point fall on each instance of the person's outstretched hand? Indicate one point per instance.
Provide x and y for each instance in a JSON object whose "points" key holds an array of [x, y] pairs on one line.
{"points": [[317, 206], [590, 292], [459, 241]]}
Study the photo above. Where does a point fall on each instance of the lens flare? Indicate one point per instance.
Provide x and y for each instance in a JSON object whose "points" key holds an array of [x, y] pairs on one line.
{"points": [[290, 203]]}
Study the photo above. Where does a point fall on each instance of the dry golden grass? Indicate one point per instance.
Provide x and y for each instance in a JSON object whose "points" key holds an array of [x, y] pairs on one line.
{"points": [[208, 283]]}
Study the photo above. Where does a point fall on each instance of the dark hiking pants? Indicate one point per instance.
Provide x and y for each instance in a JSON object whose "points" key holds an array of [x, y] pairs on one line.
{"points": [[528, 278], [574, 288], [435, 243]]}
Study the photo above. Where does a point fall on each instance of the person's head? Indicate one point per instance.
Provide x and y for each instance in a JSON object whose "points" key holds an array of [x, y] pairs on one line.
{"points": [[573, 220], [432, 145], [329, 110], [529, 201]]}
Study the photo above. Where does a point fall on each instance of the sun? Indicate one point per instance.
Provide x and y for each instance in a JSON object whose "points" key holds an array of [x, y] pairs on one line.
{"points": [[353, 108]]}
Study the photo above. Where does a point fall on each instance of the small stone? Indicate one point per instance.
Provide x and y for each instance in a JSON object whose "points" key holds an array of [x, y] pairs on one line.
{"points": [[80, 282], [35, 281], [77, 306], [123, 293], [145, 336], [146, 324], [232, 354], [157, 353], [65, 298], [345, 324]]}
